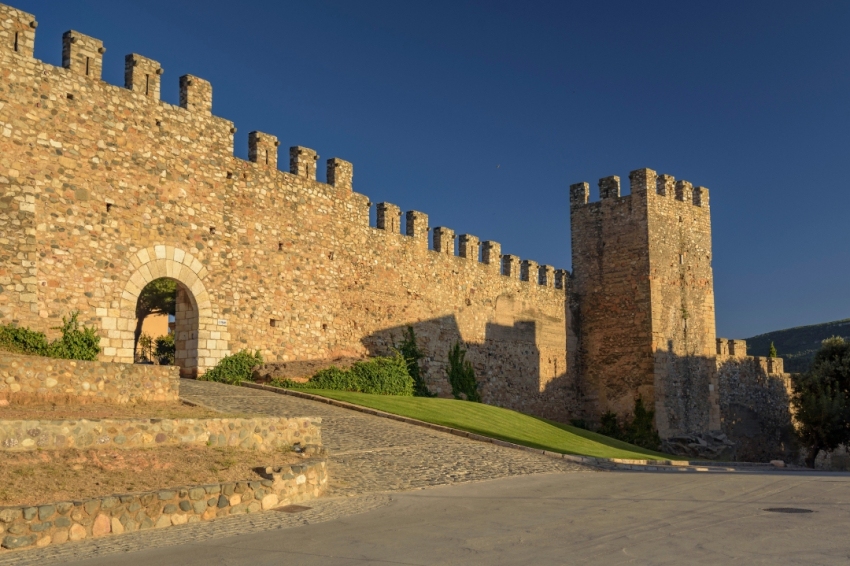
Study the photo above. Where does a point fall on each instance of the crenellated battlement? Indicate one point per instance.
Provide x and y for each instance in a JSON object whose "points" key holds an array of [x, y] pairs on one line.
{"points": [[142, 75], [642, 182], [262, 149], [83, 56], [17, 31]]}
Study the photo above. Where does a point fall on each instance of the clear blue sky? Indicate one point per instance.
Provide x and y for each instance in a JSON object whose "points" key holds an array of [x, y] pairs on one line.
{"points": [[482, 113]]}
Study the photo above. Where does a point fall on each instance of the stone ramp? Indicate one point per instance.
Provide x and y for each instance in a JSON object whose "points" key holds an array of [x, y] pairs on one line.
{"points": [[369, 454]]}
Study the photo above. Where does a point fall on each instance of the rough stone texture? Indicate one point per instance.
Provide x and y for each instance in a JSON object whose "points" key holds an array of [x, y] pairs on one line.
{"points": [[643, 300], [263, 434], [105, 189], [755, 404], [373, 454], [97, 381], [78, 520]]}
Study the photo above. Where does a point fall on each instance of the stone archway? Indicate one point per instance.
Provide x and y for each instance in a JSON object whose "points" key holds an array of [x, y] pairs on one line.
{"points": [[201, 343]]}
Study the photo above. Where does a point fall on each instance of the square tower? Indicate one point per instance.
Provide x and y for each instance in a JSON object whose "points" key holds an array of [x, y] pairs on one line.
{"points": [[643, 301]]}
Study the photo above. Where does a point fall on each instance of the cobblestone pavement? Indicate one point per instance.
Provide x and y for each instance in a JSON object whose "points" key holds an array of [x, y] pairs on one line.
{"points": [[370, 457], [321, 510], [372, 454]]}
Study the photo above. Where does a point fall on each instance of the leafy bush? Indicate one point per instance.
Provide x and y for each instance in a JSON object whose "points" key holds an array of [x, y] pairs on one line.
{"points": [[609, 425], [412, 354], [22, 340], [380, 376], [234, 369], [462, 376], [821, 399], [638, 431], [77, 342], [144, 351], [164, 349]]}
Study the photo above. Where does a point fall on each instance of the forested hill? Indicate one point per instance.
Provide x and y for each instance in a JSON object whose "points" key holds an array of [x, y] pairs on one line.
{"points": [[797, 345]]}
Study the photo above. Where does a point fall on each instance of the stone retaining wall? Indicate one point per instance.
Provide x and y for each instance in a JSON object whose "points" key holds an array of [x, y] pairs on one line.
{"points": [[55, 523], [96, 381], [755, 408], [266, 433]]}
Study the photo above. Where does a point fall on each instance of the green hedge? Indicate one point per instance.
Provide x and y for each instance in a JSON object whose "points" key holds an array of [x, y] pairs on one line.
{"points": [[382, 376], [77, 342], [235, 368]]}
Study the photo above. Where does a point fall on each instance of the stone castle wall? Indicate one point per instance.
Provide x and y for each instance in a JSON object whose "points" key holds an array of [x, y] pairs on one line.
{"points": [[106, 188], [88, 381], [754, 401], [644, 301], [261, 433], [57, 523]]}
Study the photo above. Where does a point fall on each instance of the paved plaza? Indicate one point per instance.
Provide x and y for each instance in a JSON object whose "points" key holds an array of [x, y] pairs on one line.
{"points": [[488, 505]]}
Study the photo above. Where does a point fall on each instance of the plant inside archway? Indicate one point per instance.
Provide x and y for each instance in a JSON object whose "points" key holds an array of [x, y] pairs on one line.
{"points": [[158, 297]]}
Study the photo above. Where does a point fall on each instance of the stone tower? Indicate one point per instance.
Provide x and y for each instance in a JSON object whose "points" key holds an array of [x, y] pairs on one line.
{"points": [[643, 301]]}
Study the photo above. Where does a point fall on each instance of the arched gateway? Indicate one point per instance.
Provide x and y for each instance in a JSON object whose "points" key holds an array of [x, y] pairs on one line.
{"points": [[199, 341]]}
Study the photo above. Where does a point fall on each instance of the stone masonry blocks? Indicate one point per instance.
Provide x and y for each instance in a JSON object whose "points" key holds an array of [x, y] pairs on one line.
{"points": [[340, 174], [529, 271], [609, 187], [444, 240], [17, 31], [417, 226], [142, 75], [468, 246], [302, 162], [547, 275], [262, 149], [491, 254], [388, 217], [511, 266], [196, 95], [684, 191], [82, 54]]}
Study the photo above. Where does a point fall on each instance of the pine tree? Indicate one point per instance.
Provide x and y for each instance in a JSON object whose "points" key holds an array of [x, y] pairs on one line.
{"points": [[772, 353]]}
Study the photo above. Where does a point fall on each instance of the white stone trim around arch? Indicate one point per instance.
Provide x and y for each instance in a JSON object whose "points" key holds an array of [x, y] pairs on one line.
{"points": [[153, 263]]}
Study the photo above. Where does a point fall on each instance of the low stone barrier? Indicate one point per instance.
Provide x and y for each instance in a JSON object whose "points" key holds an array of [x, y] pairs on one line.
{"points": [[262, 433], [97, 381], [55, 523]]}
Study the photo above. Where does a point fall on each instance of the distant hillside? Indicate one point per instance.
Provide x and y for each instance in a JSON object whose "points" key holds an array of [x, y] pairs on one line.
{"points": [[797, 345]]}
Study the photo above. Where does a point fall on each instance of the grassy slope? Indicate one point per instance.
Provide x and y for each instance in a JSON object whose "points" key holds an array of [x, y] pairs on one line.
{"points": [[797, 345], [496, 422]]}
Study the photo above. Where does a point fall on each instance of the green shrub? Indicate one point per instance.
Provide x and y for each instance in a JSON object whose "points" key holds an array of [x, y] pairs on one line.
{"points": [[462, 376], [821, 399], [234, 369], [379, 376], [22, 340], [639, 430], [77, 342], [412, 354], [164, 349], [609, 425]]}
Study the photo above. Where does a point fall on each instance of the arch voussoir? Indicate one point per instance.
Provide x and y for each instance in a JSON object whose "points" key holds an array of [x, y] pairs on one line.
{"points": [[147, 265]]}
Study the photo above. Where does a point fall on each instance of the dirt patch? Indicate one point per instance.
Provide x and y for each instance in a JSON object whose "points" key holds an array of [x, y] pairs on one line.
{"points": [[300, 371], [65, 475], [38, 409]]}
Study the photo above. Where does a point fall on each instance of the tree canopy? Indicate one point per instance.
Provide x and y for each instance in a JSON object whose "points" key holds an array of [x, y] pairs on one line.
{"points": [[158, 297], [821, 399]]}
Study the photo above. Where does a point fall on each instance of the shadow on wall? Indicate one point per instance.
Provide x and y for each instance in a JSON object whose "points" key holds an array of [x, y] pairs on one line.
{"points": [[685, 397], [755, 408], [514, 366]]}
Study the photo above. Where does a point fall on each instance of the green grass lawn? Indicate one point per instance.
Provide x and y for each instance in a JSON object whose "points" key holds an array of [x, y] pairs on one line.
{"points": [[496, 422]]}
